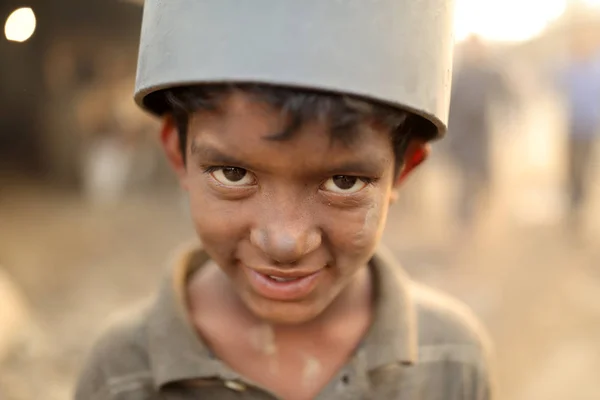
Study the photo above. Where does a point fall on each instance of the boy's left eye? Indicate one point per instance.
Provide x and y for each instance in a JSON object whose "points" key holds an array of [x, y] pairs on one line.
{"points": [[344, 184], [233, 176]]}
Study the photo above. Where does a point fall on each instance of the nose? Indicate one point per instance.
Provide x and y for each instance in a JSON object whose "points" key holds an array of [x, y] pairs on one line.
{"points": [[286, 240]]}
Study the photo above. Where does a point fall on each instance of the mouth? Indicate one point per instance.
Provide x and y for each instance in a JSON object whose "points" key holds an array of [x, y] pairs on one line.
{"points": [[282, 285]]}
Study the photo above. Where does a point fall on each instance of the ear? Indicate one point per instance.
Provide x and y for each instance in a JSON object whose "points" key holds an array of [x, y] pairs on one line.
{"points": [[416, 153], [169, 139]]}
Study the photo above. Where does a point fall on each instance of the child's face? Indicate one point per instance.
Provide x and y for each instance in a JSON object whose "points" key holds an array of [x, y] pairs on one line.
{"points": [[307, 207]]}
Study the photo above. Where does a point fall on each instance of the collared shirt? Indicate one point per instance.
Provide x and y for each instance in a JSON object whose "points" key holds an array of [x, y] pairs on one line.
{"points": [[421, 345]]}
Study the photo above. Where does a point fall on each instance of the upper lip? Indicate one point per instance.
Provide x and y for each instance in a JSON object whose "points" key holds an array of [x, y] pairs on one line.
{"points": [[284, 274]]}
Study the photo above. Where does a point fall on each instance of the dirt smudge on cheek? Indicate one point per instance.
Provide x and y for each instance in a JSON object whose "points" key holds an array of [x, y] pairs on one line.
{"points": [[370, 225]]}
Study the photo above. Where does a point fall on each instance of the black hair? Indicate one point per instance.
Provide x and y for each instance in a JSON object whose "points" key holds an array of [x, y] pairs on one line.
{"points": [[344, 113]]}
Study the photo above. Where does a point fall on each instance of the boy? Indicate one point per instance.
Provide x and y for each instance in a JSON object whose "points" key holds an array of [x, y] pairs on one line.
{"points": [[291, 125]]}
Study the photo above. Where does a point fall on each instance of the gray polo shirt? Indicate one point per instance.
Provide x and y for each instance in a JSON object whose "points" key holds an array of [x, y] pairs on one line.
{"points": [[421, 345]]}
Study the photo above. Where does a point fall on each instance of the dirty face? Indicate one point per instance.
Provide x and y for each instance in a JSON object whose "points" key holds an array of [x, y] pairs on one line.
{"points": [[290, 222]]}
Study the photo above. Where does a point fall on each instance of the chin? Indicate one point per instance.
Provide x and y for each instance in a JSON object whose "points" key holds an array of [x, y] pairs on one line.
{"points": [[286, 319], [285, 313]]}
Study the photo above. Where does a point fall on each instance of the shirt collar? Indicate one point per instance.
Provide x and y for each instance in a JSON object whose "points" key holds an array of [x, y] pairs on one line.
{"points": [[175, 350], [177, 353], [393, 336]]}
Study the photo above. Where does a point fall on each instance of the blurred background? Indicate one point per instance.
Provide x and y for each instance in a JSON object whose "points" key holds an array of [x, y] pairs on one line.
{"points": [[505, 216]]}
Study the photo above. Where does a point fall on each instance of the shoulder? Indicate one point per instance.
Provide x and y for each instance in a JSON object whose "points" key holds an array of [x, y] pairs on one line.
{"points": [[451, 339], [448, 331], [118, 361], [444, 319]]}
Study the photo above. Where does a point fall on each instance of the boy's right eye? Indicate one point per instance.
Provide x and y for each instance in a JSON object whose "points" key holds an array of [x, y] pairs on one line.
{"points": [[232, 176], [345, 184]]}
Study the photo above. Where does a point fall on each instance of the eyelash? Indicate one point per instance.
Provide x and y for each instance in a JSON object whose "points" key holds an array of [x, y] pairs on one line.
{"points": [[368, 181], [211, 169]]}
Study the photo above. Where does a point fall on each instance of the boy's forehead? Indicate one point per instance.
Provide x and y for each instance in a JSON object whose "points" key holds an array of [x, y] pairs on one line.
{"points": [[238, 116], [244, 138], [243, 119]]}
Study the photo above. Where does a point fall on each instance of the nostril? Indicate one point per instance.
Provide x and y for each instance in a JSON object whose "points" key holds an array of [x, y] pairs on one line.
{"points": [[281, 258], [280, 263]]}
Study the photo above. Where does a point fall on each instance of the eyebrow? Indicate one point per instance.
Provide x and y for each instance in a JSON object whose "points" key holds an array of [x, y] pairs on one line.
{"points": [[362, 167], [214, 155], [366, 167]]}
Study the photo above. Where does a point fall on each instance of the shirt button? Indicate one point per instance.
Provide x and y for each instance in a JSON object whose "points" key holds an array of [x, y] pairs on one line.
{"points": [[235, 386], [344, 382], [346, 379]]}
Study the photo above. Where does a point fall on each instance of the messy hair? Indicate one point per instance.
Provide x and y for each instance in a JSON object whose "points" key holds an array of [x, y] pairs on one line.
{"points": [[343, 113]]}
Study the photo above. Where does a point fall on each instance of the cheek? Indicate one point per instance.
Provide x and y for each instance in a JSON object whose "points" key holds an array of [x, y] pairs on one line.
{"points": [[356, 232], [220, 224]]}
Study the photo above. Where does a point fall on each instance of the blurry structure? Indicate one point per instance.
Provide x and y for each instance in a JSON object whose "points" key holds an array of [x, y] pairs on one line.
{"points": [[106, 165], [14, 314], [476, 84], [80, 50], [580, 84]]}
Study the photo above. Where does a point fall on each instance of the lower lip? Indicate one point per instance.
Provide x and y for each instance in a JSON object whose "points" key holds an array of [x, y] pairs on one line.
{"points": [[283, 291]]}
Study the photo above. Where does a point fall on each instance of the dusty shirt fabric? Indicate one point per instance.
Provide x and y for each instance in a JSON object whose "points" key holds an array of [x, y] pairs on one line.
{"points": [[421, 346]]}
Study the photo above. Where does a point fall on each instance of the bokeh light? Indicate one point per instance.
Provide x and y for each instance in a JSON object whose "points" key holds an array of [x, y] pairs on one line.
{"points": [[20, 25], [505, 21]]}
